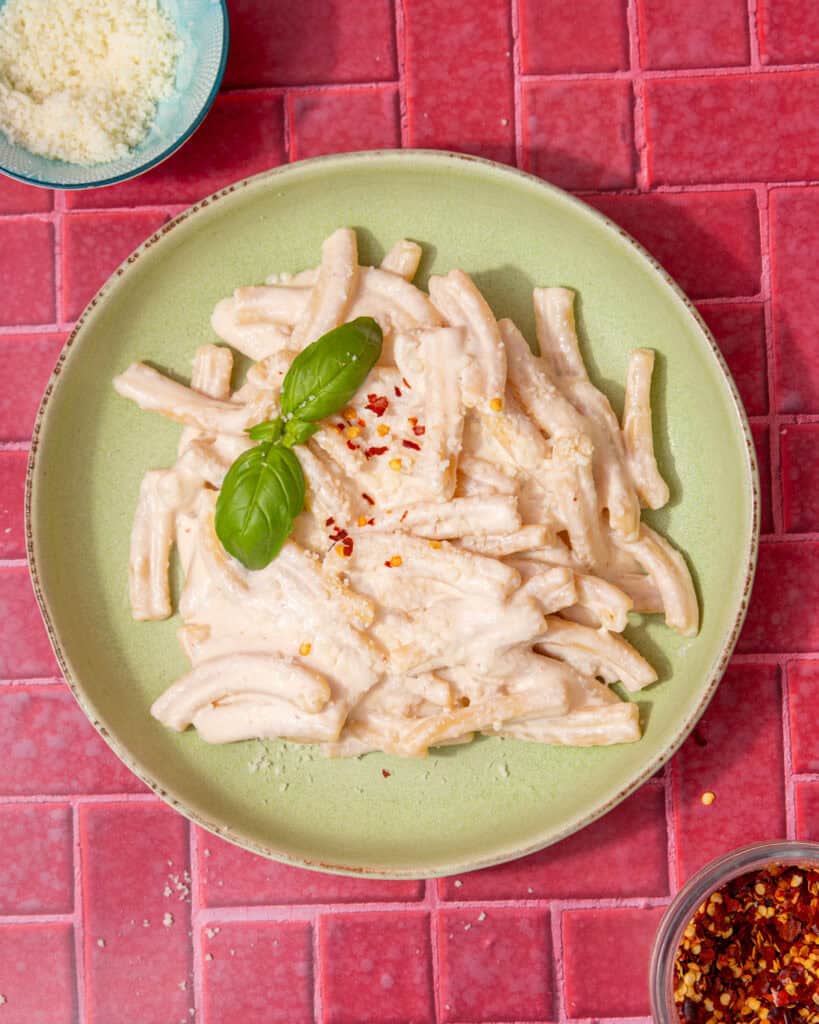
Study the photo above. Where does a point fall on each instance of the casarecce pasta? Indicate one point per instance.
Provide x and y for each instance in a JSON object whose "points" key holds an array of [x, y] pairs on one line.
{"points": [[472, 542]]}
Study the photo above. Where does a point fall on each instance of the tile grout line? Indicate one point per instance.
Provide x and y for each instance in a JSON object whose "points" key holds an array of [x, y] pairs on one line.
{"points": [[399, 21], [79, 919], [559, 1009], [315, 946], [753, 36], [640, 140], [670, 791], [432, 904], [787, 752], [197, 969], [517, 84]]}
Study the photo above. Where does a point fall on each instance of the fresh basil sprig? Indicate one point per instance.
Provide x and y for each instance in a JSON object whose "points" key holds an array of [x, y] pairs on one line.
{"points": [[264, 489]]}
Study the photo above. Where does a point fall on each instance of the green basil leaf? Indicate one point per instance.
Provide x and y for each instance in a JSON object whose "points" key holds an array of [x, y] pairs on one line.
{"points": [[324, 377], [270, 430], [261, 495], [297, 432]]}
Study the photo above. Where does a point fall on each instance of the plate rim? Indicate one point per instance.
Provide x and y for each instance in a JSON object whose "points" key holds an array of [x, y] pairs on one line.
{"points": [[223, 829]]}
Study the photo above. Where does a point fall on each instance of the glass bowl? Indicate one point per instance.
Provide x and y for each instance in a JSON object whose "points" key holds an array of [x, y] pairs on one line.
{"points": [[203, 28], [684, 905]]}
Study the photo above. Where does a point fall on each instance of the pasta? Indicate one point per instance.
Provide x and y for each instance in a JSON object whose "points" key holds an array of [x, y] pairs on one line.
{"points": [[471, 546]]}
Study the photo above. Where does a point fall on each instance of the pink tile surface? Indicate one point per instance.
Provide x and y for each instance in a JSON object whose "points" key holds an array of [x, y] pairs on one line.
{"points": [[795, 287], [136, 903], [733, 128], [449, 106], [607, 953], [376, 967], [709, 241], [788, 31], [258, 973], [37, 974], [736, 754], [739, 329], [36, 864], [693, 125], [342, 120], [550, 43], [694, 34], [12, 486], [314, 41], [578, 134], [625, 853], [495, 964], [242, 135], [24, 648], [53, 747], [27, 271], [803, 700], [94, 245], [26, 362], [231, 876], [799, 448]]}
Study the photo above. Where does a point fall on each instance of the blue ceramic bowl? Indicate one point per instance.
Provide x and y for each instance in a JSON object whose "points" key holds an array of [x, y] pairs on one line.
{"points": [[203, 27]]}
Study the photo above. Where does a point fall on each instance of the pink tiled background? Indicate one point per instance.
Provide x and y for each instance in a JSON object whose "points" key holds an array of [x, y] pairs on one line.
{"points": [[693, 124]]}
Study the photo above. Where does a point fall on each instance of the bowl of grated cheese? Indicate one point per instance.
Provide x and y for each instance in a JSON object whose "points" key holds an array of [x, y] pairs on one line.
{"points": [[94, 94]]}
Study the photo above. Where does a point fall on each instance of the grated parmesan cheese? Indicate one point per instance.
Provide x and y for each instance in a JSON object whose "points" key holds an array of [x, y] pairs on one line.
{"points": [[81, 81]]}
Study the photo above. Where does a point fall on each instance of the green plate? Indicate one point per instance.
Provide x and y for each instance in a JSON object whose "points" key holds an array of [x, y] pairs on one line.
{"points": [[465, 807]]}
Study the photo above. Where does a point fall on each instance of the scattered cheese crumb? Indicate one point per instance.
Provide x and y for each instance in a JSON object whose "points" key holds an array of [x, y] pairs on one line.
{"points": [[482, 915], [146, 923], [3, 1000], [81, 82], [207, 852], [101, 943], [457, 883], [467, 927], [167, 920], [208, 956], [708, 798], [183, 985], [210, 932]]}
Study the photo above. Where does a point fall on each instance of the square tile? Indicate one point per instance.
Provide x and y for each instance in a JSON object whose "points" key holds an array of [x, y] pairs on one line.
{"points": [[709, 241], [795, 287], [17, 197], [37, 974], [12, 492], [53, 747], [550, 43], [762, 443], [94, 245], [314, 42], [606, 960], [230, 876], [781, 617], [807, 811], [242, 135], [26, 362], [736, 754], [579, 135], [27, 268], [799, 452], [258, 973], [495, 965], [803, 701], [376, 967], [624, 853], [343, 120], [449, 106], [25, 652], [36, 860], [788, 31], [739, 329], [136, 909], [694, 34], [732, 128]]}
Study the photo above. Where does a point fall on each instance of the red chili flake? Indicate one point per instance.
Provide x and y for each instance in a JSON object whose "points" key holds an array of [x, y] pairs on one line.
{"points": [[352, 447], [403, 516], [369, 452], [338, 534], [412, 420], [749, 951], [367, 498], [385, 773], [406, 383], [329, 521], [411, 444], [419, 431], [370, 522], [377, 404], [397, 391], [340, 427], [361, 423], [347, 546]]}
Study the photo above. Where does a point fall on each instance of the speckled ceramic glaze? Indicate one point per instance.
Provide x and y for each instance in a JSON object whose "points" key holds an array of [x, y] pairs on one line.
{"points": [[466, 806]]}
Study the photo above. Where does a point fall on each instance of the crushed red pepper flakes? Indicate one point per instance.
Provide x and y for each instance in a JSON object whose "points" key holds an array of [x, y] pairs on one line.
{"points": [[375, 450], [397, 391], [352, 447], [406, 383], [419, 431], [366, 497], [385, 773], [412, 444], [329, 521], [751, 951], [377, 404]]}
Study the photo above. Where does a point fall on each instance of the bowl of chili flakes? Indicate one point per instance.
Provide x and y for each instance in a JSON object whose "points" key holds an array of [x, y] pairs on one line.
{"points": [[740, 941]]}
